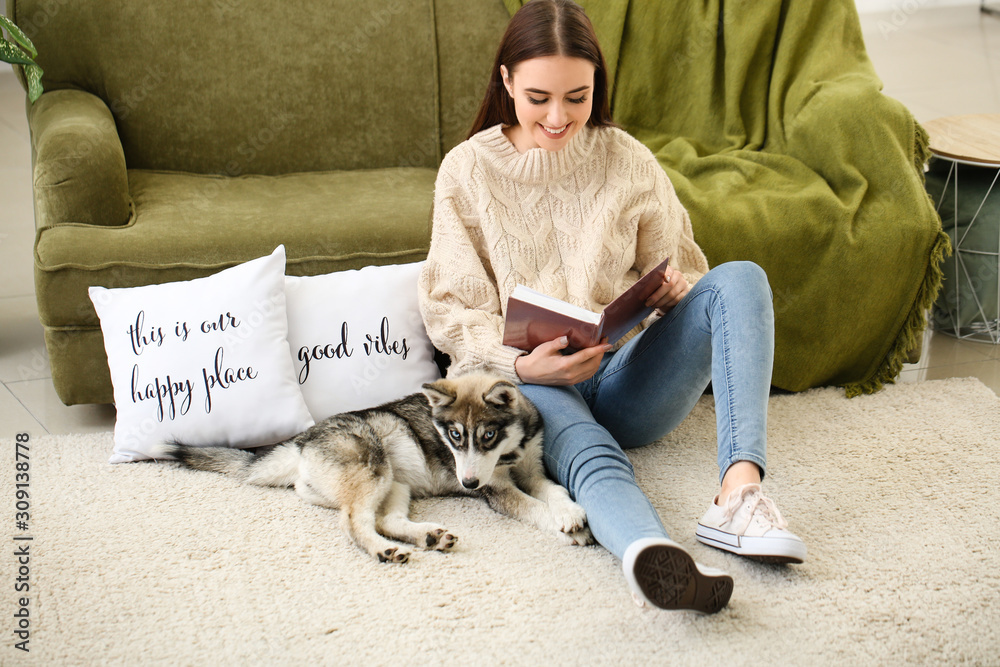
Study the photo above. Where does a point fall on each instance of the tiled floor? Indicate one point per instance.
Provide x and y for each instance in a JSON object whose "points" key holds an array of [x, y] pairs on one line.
{"points": [[938, 61]]}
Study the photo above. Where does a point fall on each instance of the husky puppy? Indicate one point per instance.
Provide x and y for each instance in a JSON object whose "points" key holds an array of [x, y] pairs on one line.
{"points": [[473, 435]]}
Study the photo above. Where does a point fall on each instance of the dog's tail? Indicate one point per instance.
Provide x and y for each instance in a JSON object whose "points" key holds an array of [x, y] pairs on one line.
{"points": [[278, 467]]}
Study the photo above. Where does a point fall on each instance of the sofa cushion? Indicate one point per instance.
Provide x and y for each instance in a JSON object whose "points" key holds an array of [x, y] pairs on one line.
{"points": [[186, 226], [232, 87], [473, 30]]}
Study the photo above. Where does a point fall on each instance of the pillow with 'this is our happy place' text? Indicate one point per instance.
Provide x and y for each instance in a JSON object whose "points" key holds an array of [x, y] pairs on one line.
{"points": [[202, 362]]}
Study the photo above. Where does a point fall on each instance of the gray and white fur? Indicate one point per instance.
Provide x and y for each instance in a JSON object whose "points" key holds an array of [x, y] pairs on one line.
{"points": [[472, 435]]}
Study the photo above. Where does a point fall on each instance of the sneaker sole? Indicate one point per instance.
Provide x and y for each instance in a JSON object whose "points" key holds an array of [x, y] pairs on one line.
{"points": [[764, 549], [670, 579]]}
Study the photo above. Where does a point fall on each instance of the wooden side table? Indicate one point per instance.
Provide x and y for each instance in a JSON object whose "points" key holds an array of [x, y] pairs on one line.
{"points": [[969, 304]]}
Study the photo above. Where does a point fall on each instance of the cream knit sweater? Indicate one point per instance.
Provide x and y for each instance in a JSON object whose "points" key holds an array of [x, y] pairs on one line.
{"points": [[581, 224]]}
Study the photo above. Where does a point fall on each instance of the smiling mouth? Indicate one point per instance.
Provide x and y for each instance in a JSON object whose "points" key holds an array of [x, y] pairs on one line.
{"points": [[554, 132]]}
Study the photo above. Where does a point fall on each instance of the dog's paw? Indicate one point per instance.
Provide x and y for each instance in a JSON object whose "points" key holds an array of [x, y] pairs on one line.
{"points": [[568, 516], [440, 540], [394, 555], [576, 538]]}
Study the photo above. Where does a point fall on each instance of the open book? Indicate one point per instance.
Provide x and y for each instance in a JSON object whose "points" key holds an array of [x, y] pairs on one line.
{"points": [[534, 318]]}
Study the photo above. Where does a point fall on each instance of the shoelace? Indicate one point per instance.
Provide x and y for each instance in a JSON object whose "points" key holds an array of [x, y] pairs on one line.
{"points": [[756, 502]]}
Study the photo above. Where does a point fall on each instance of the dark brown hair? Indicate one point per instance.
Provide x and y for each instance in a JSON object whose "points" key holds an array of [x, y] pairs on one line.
{"points": [[544, 28]]}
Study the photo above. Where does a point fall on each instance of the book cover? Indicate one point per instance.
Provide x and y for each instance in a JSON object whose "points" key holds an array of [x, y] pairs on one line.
{"points": [[534, 318]]}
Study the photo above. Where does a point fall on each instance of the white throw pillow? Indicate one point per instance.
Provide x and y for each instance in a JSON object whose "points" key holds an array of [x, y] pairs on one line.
{"points": [[357, 338], [203, 362]]}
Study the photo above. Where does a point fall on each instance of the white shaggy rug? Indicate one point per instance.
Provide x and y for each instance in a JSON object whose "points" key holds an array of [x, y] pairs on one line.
{"points": [[895, 495]]}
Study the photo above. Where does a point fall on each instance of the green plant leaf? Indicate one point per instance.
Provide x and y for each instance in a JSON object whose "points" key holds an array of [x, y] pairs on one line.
{"points": [[33, 74], [10, 53], [18, 36]]}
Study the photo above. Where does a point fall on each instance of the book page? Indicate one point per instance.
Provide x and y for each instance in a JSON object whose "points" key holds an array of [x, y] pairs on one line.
{"points": [[556, 305]]}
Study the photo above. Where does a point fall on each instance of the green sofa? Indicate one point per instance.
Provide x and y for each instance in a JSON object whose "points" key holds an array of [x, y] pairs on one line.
{"points": [[178, 138]]}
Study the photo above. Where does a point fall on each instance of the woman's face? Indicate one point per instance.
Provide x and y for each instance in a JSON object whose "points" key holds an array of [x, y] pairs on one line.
{"points": [[552, 100]]}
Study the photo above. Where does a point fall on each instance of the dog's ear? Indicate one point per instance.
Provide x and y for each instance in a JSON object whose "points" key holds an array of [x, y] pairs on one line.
{"points": [[440, 394], [502, 393]]}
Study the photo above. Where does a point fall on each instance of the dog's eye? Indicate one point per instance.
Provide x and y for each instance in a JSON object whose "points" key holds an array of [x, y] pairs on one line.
{"points": [[489, 435], [455, 434]]}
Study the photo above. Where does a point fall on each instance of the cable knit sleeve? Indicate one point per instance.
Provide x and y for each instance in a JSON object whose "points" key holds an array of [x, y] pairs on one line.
{"points": [[459, 299], [665, 226]]}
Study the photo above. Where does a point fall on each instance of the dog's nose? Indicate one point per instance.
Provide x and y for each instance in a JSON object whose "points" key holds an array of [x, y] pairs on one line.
{"points": [[470, 483]]}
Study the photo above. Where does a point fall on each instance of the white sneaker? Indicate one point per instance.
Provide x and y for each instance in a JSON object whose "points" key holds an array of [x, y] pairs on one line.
{"points": [[661, 573], [750, 525]]}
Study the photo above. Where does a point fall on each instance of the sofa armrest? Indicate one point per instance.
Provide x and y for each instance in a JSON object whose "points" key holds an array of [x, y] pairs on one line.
{"points": [[79, 164], [843, 128]]}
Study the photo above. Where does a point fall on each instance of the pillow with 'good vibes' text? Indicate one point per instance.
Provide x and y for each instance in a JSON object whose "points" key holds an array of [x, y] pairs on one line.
{"points": [[202, 362], [357, 338]]}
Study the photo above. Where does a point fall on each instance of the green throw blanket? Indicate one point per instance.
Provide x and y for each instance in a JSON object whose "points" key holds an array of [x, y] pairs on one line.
{"points": [[770, 122]]}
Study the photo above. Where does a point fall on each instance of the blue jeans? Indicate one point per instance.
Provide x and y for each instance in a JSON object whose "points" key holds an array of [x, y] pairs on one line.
{"points": [[723, 332]]}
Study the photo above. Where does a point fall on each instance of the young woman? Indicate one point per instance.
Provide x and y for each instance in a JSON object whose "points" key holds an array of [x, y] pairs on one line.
{"points": [[549, 193]]}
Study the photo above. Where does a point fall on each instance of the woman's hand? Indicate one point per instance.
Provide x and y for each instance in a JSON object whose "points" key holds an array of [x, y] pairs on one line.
{"points": [[674, 288], [547, 365]]}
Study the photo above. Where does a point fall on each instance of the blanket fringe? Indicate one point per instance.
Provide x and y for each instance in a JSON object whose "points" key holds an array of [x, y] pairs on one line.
{"points": [[921, 148], [916, 321], [914, 326]]}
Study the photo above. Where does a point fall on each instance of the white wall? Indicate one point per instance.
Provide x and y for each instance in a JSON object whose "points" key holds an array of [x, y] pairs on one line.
{"points": [[870, 6]]}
